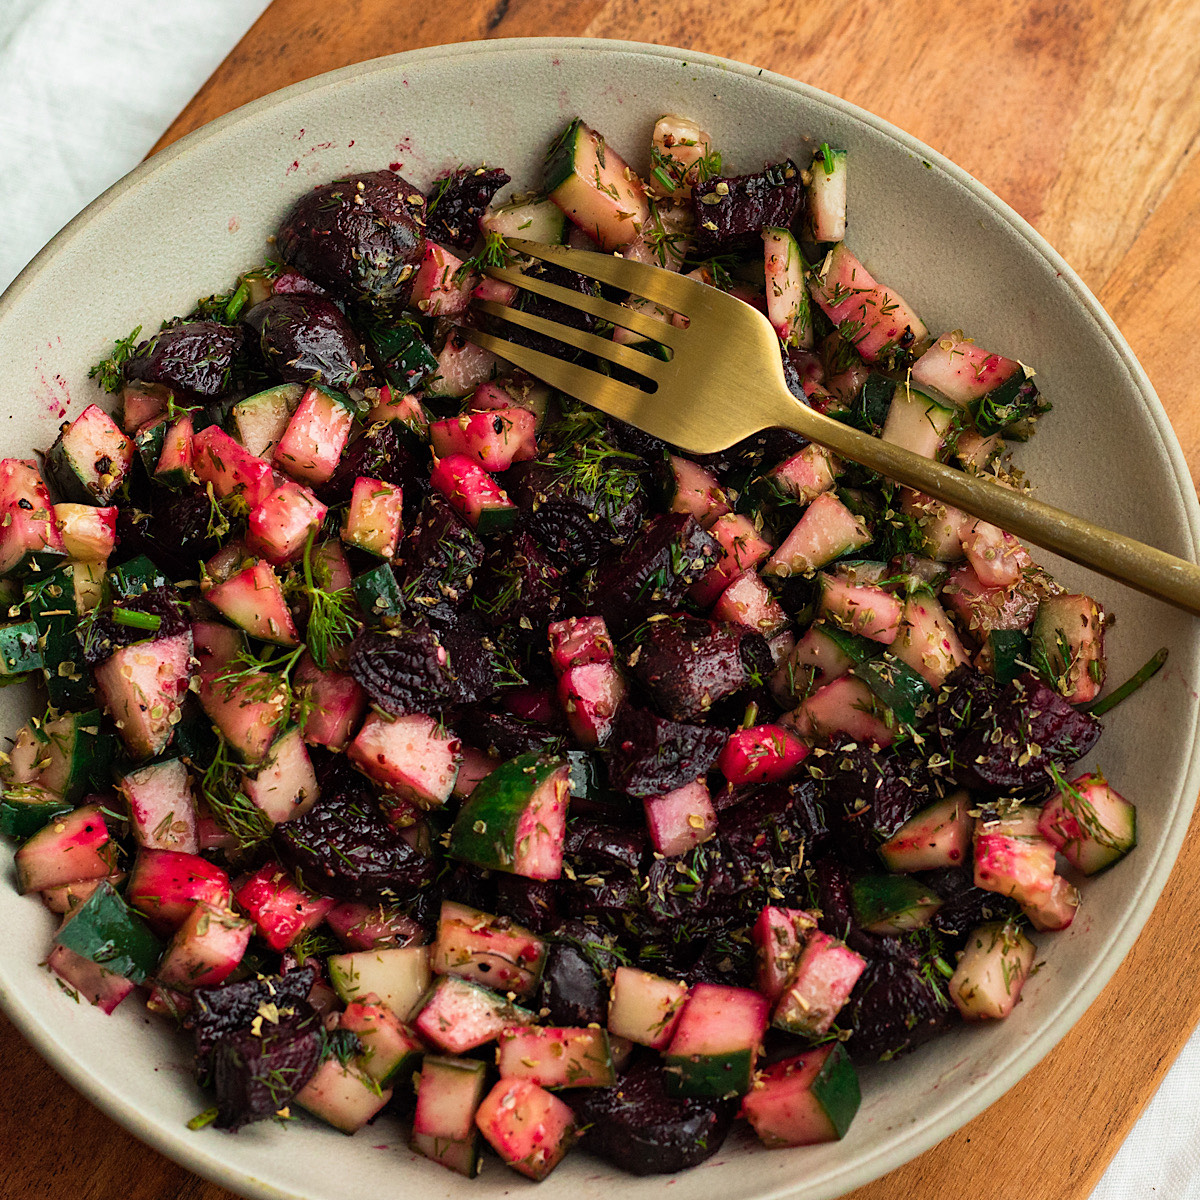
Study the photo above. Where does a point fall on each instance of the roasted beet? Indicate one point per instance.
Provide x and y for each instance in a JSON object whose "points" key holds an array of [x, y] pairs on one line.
{"points": [[654, 574], [104, 636], [1010, 744], [195, 359], [964, 906], [551, 310], [639, 1128], [439, 555], [290, 282], [378, 454], [530, 902], [597, 846], [894, 1008], [519, 586], [731, 213], [304, 339], [777, 824], [176, 534], [687, 664], [833, 881], [505, 734], [571, 990], [257, 1073], [403, 671], [345, 847], [650, 755], [753, 455], [231, 1007], [456, 202], [358, 237]]}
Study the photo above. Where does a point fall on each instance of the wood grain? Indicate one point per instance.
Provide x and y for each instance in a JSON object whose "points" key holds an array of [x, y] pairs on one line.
{"points": [[1082, 114]]}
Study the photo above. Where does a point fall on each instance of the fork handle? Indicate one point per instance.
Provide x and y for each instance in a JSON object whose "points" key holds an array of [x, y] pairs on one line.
{"points": [[1121, 558]]}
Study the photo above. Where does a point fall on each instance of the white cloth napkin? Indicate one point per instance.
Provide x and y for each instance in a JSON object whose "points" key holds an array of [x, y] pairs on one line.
{"points": [[87, 87]]}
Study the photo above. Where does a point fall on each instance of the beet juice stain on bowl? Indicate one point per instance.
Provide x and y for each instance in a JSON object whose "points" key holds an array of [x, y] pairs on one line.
{"points": [[599, 916]]}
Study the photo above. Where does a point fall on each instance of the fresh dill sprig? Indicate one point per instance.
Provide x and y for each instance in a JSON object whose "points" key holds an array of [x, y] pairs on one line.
{"points": [[331, 623], [108, 371], [231, 808]]}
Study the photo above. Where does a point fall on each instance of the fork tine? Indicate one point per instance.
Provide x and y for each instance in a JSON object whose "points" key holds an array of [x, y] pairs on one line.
{"points": [[663, 287], [624, 356], [600, 391], [606, 310]]}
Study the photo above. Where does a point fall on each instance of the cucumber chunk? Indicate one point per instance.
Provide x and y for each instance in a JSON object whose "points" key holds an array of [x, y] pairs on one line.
{"points": [[805, 1100], [106, 931]]}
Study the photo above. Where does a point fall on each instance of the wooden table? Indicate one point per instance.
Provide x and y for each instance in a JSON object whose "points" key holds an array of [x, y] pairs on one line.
{"points": [[1085, 116]]}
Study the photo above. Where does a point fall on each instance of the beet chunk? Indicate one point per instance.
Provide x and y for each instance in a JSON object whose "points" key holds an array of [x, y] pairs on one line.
{"points": [[304, 339], [439, 555], [1010, 745], [403, 671], [378, 454], [530, 902], [257, 1074], [519, 587], [455, 204], [892, 1010], [649, 755], [345, 847], [505, 734], [687, 664], [571, 989], [964, 906], [639, 1128], [596, 846], [231, 1007], [654, 574], [358, 237], [733, 219], [104, 637], [196, 358], [176, 534], [775, 825], [752, 456], [551, 310]]}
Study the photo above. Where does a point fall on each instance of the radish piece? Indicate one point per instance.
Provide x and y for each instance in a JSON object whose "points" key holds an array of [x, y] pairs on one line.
{"points": [[747, 601], [681, 819], [279, 527], [390, 407], [67, 897], [1013, 858], [495, 438], [991, 972], [93, 982], [778, 936], [761, 754], [495, 290], [863, 609], [644, 1007], [165, 885], [230, 467], [678, 145], [820, 985], [27, 527], [590, 696], [141, 403], [937, 837], [388, 1048], [847, 705], [805, 1100], [206, 948], [578, 641], [73, 846], [476, 766], [280, 908], [1058, 910], [174, 469], [414, 756], [740, 548], [462, 366], [449, 1092], [529, 1128], [442, 286], [315, 437], [827, 530]]}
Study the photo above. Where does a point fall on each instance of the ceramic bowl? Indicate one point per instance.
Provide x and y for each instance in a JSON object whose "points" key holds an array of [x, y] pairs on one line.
{"points": [[185, 223]]}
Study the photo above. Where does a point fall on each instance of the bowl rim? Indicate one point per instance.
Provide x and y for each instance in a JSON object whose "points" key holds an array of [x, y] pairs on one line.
{"points": [[192, 1153]]}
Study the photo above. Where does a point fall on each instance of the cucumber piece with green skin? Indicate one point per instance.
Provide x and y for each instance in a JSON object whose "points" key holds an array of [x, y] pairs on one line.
{"points": [[788, 307], [448, 1095], [645, 1008], [259, 421], [174, 467], [805, 1100], [465, 1158], [595, 187], [390, 1051], [162, 810], [1068, 633], [148, 441], [76, 758], [403, 354], [1089, 823], [378, 594], [896, 684], [396, 975], [73, 847], [312, 443], [143, 686], [533, 218], [456, 1015], [20, 651], [1008, 652], [106, 931], [588, 780], [827, 530], [556, 1057], [515, 819], [27, 807], [715, 1044], [133, 578], [916, 421], [937, 837], [827, 195], [53, 607], [486, 949], [343, 1095], [991, 971], [892, 903], [90, 458]]}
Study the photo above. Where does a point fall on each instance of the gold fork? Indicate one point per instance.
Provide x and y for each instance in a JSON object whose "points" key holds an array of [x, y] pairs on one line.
{"points": [[692, 405]]}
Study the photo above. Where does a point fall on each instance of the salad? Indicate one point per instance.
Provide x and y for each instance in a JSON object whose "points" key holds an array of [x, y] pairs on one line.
{"points": [[426, 744]]}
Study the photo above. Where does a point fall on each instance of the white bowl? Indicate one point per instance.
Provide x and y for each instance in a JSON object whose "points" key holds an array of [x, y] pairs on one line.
{"points": [[185, 223]]}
